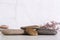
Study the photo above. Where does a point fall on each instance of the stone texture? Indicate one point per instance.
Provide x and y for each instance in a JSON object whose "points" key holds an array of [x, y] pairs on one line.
{"points": [[31, 31], [4, 27], [12, 31], [31, 26], [45, 31]]}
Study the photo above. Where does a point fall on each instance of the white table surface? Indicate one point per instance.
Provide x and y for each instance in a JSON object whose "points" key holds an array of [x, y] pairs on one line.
{"points": [[24, 37]]}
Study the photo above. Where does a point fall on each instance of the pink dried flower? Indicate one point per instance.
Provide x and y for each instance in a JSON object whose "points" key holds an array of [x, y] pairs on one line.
{"points": [[52, 25]]}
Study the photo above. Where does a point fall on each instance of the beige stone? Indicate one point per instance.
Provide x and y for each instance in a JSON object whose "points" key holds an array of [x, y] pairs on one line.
{"points": [[4, 27], [31, 31], [31, 26], [12, 31]]}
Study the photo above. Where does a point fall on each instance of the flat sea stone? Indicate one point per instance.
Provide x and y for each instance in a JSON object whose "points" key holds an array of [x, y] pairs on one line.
{"points": [[12, 31]]}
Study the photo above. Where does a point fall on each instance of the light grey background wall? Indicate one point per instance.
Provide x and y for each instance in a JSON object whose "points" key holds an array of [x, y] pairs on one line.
{"points": [[16, 13]]}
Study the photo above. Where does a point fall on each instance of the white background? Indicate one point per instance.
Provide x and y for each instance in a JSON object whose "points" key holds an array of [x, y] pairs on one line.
{"points": [[17, 13]]}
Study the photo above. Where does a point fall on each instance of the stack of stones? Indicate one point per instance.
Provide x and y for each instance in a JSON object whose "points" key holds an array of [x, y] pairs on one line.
{"points": [[31, 30], [35, 30], [3, 27]]}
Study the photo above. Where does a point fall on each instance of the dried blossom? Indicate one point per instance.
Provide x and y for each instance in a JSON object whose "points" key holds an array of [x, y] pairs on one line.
{"points": [[52, 25]]}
